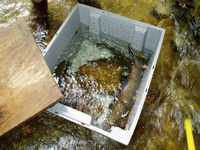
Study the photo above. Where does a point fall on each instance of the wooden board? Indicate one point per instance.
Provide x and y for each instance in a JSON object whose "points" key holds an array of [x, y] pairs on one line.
{"points": [[26, 84]]}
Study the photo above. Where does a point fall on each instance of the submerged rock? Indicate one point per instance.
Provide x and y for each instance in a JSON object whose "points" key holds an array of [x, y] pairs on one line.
{"points": [[106, 73], [118, 56], [162, 10]]}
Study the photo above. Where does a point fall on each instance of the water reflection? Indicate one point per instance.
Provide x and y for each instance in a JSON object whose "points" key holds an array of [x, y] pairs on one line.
{"points": [[174, 92]]}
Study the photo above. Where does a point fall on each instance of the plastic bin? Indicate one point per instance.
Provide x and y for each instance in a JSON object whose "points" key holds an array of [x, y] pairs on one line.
{"points": [[140, 36]]}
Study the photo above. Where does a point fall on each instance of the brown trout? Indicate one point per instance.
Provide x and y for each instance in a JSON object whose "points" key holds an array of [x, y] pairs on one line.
{"points": [[59, 70], [127, 97]]}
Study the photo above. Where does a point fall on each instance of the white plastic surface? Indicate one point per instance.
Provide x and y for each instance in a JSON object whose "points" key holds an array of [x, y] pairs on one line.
{"points": [[71, 114], [95, 23]]}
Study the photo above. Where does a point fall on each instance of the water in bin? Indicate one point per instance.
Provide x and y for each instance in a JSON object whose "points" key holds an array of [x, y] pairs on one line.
{"points": [[100, 77]]}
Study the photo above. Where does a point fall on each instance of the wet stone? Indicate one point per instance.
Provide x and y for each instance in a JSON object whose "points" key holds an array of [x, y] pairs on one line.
{"points": [[162, 10], [90, 3], [105, 73]]}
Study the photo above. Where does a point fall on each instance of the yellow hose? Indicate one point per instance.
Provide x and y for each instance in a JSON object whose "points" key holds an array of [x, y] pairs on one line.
{"points": [[189, 135]]}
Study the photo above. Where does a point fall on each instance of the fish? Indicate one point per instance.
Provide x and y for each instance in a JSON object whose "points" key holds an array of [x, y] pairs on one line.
{"points": [[59, 70], [139, 54], [128, 96]]}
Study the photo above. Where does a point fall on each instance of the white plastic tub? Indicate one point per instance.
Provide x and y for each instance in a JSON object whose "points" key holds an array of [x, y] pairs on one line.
{"points": [[140, 36]]}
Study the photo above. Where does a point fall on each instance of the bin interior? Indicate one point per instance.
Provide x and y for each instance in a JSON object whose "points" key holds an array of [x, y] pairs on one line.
{"points": [[140, 36]]}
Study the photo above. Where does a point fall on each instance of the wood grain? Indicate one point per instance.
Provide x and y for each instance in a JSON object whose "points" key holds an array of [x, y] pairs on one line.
{"points": [[26, 84]]}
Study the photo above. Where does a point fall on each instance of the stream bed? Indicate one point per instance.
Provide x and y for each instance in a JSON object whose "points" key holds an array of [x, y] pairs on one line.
{"points": [[173, 94]]}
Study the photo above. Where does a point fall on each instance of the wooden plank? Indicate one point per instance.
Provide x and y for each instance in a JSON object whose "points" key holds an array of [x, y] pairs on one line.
{"points": [[26, 84]]}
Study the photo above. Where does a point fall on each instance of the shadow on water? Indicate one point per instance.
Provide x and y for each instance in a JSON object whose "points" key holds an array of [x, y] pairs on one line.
{"points": [[173, 95]]}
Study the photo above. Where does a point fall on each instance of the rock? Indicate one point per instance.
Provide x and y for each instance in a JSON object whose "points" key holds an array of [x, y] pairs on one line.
{"points": [[162, 10]]}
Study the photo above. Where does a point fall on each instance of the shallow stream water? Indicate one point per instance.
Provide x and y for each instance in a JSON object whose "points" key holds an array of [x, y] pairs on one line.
{"points": [[173, 94]]}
